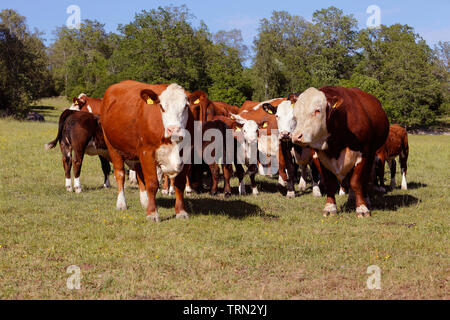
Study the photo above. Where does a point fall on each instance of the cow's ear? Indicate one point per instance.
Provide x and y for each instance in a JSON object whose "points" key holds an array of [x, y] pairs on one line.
{"points": [[293, 97], [264, 125], [335, 102], [270, 109], [196, 97], [149, 96], [237, 127]]}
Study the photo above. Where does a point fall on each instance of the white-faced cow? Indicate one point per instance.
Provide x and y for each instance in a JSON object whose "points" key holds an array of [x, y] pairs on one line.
{"points": [[346, 127]]}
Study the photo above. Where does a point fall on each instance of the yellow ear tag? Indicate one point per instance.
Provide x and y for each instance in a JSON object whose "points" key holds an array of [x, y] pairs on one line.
{"points": [[292, 105], [269, 112], [197, 101], [265, 125], [335, 106], [238, 129], [76, 102], [149, 101]]}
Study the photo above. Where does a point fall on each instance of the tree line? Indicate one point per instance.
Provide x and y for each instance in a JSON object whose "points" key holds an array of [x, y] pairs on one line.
{"points": [[291, 54]]}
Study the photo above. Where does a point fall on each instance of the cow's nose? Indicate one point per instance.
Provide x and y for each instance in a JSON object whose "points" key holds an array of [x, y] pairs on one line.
{"points": [[285, 134], [296, 138], [174, 132]]}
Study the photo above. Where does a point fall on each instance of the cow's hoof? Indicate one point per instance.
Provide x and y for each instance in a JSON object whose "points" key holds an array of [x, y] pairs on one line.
{"points": [[164, 192], [188, 190], [330, 210], [393, 185], [227, 195], [183, 215], [154, 217], [69, 189], [171, 191], [106, 186], [77, 189], [255, 191], [290, 195], [362, 212], [302, 185], [342, 192], [316, 192], [121, 207], [281, 182]]}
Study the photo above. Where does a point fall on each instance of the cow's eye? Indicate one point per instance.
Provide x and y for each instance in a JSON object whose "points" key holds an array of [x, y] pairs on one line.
{"points": [[317, 112]]}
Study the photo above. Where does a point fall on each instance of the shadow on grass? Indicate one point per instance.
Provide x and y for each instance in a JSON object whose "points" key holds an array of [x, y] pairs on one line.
{"points": [[416, 185], [385, 203], [235, 209]]}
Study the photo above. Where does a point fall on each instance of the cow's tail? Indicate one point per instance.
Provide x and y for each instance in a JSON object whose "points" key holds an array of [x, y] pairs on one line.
{"points": [[62, 120]]}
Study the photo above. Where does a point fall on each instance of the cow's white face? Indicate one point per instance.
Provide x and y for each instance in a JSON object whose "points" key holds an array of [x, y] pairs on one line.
{"points": [[250, 130], [174, 103], [285, 120], [310, 113]]}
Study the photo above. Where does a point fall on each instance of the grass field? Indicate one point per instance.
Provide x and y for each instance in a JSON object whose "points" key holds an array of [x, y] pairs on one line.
{"points": [[264, 247]]}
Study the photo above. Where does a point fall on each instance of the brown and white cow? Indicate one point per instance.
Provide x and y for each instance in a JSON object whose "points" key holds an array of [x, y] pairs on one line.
{"points": [[396, 146], [87, 104], [144, 126], [301, 155], [346, 127], [80, 133]]}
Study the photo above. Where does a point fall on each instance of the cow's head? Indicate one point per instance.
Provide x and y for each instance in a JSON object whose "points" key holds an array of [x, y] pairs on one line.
{"points": [[78, 103], [310, 113], [202, 108], [285, 118], [249, 129], [174, 106]]}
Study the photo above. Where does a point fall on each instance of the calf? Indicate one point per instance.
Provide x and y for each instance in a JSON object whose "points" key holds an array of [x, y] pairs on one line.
{"points": [[144, 125], [396, 145], [81, 133], [346, 127], [303, 156]]}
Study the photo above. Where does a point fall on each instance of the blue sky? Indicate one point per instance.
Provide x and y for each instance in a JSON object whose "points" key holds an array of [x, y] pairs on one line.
{"points": [[429, 18]]}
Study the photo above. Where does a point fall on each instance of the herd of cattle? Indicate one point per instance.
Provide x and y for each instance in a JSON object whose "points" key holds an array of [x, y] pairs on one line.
{"points": [[342, 134]]}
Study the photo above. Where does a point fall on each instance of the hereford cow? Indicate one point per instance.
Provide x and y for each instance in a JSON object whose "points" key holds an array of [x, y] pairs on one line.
{"points": [[346, 127], [87, 104], [144, 126], [303, 156], [396, 145], [81, 133]]}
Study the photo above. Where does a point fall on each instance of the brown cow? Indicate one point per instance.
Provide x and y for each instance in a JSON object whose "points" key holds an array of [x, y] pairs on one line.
{"points": [[81, 133], [144, 126], [346, 127], [87, 104], [396, 145]]}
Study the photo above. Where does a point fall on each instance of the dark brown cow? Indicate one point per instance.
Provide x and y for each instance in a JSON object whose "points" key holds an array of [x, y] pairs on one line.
{"points": [[346, 127], [81, 133], [396, 146], [143, 126]]}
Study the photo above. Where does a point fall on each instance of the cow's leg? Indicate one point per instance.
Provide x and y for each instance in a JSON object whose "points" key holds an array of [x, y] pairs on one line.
{"points": [[77, 163], [359, 183], [119, 174], [404, 167], [165, 188], [67, 163], [316, 180], [132, 178], [172, 187], [331, 185], [150, 175], [215, 172], [106, 168], [227, 174], [240, 173], [253, 169], [379, 174], [290, 166], [180, 185], [188, 185], [143, 196], [282, 176], [302, 184], [393, 170]]}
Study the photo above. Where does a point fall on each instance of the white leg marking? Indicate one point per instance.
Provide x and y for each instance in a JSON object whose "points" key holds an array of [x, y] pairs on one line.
{"points": [[132, 177], [302, 184], [316, 190], [362, 211], [404, 183], [290, 194], [172, 190], [281, 181], [164, 192], [188, 190], [69, 185], [121, 203], [143, 197], [255, 191], [77, 185], [154, 217], [107, 183], [342, 192], [330, 209], [183, 215], [242, 191]]}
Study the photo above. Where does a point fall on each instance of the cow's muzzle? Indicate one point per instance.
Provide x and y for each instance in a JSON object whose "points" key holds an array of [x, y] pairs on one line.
{"points": [[175, 133], [297, 138]]}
